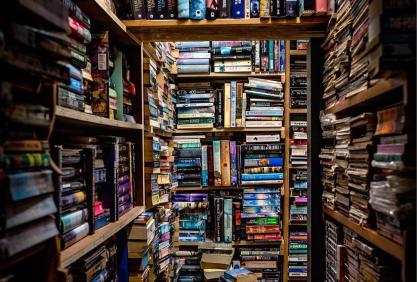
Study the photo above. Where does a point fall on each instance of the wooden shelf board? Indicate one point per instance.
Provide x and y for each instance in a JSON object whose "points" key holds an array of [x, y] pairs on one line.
{"points": [[298, 111], [79, 249], [367, 96], [215, 75], [370, 235], [298, 52], [235, 129], [105, 19], [228, 29], [74, 117]]}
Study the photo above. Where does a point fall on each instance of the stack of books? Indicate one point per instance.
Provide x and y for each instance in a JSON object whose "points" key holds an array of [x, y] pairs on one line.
{"points": [[262, 103], [188, 162], [232, 56], [73, 95], [192, 210], [269, 56], [393, 189], [265, 262], [298, 254], [298, 90], [187, 265], [261, 164], [298, 210], [360, 152], [152, 112], [261, 214], [101, 214], [335, 253], [195, 105], [342, 201], [298, 153], [194, 57], [299, 184], [329, 67], [126, 173], [167, 54], [239, 275]]}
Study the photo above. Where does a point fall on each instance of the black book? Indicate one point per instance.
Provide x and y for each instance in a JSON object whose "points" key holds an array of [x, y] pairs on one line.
{"points": [[231, 57], [224, 8], [291, 9], [172, 11], [218, 222], [278, 8], [212, 9], [219, 108], [138, 9], [150, 9], [161, 9]]}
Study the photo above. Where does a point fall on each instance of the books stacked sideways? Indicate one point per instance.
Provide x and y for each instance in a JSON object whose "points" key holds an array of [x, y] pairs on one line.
{"points": [[265, 262], [187, 265], [194, 57], [75, 94], [192, 209], [298, 90], [298, 254], [298, 210], [392, 192], [236, 275], [299, 182], [298, 153], [362, 130], [261, 164], [195, 105], [232, 56], [262, 103], [125, 176], [335, 252], [188, 161], [328, 159], [261, 214], [329, 68], [101, 214]]}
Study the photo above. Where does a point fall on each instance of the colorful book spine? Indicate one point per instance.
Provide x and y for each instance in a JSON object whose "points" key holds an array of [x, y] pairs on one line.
{"points": [[263, 162], [228, 220], [238, 9], [227, 95], [75, 235], [72, 220], [233, 90], [271, 49], [282, 55], [262, 176], [204, 166], [217, 166], [210, 165], [183, 9], [212, 9], [265, 8], [225, 162], [233, 163], [254, 8], [198, 9]]}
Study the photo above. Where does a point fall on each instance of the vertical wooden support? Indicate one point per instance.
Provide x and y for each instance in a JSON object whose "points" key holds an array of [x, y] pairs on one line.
{"points": [[316, 253]]}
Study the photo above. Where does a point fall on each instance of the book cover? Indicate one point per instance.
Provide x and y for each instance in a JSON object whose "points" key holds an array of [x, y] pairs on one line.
{"points": [[172, 10], [225, 162], [239, 104], [227, 220], [224, 8], [238, 9], [271, 49], [212, 9], [233, 90], [254, 9], [183, 9], [226, 106], [151, 9], [233, 164], [197, 9], [138, 9], [265, 8], [217, 166], [161, 9], [204, 166]]}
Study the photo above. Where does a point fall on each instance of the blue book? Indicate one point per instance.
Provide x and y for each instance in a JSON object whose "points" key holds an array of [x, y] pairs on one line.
{"points": [[193, 68], [266, 113], [233, 91], [262, 176], [263, 162], [192, 44], [238, 9], [261, 203], [271, 55], [233, 163], [204, 166], [193, 62], [254, 8], [197, 9], [233, 274], [228, 220], [183, 9], [281, 55]]}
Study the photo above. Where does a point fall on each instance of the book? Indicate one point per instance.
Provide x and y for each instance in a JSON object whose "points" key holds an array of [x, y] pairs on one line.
{"points": [[217, 164], [227, 222], [238, 9], [212, 9], [227, 103], [225, 162], [197, 9], [183, 9], [204, 166], [233, 94]]}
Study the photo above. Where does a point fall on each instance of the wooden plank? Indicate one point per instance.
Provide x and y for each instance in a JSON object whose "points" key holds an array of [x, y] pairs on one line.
{"points": [[298, 111], [228, 29], [104, 18], [216, 75], [367, 96], [79, 249], [370, 235], [76, 118]]}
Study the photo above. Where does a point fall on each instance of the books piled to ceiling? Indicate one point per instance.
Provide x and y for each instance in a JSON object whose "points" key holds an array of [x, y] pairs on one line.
{"points": [[335, 252], [298, 254]]}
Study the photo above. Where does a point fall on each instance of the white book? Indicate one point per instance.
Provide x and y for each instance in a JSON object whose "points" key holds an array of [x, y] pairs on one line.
{"points": [[182, 137], [242, 63], [244, 102], [254, 182], [233, 92], [253, 108], [195, 126], [256, 80], [298, 123], [258, 138], [233, 69], [195, 115], [267, 123], [194, 105], [300, 135]]}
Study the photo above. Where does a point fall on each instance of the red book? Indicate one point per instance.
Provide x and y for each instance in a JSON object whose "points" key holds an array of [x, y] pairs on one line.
{"points": [[321, 7]]}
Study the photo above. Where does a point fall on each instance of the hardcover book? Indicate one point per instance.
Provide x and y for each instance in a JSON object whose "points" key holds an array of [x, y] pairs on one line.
{"points": [[197, 9], [225, 162]]}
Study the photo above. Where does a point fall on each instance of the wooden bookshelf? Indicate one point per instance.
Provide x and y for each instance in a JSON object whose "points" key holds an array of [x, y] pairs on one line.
{"points": [[75, 118], [218, 75], [102, 16], [233, 244], [368, 96], [79, 249], [228, 29], [385, 244]]}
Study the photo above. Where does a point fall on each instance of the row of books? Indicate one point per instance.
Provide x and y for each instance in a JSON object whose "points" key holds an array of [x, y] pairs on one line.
{"points": [[357, 44], [264, 261], [213, 9], [230, 56], [298, 142]]}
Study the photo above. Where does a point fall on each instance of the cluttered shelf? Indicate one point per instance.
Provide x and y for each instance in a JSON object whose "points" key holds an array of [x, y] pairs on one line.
{"points": [[233, 244], [227, 29], [298, 111], [298, 52], [79, 249], [370, 235], [105, 18], [368, 96], [73, 117], [216, 75], [232, 129]]}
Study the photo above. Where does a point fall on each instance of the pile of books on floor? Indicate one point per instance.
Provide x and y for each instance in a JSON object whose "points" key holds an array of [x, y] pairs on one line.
{"points": [[263, 103], [362, 129], [298, 254], [239, 274], [268, 268], [298, 153], [335, 253], [195, 105], [192, 210], [232, 56], [261, 164], [194, 57], [261, 214], [188, 163], [298, 90], [392, 192], [328, 159]]}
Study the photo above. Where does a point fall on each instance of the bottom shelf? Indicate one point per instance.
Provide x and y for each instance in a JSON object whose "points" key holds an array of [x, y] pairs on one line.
{"points": [[79, 249]]}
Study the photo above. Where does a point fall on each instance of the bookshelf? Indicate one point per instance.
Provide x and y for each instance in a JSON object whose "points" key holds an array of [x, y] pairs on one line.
{"points": [[214, 75], [79, 249], [232, 129], [227, 29]]}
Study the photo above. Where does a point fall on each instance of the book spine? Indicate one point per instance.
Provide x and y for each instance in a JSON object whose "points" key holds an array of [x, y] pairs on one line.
{"points": [[228, 220], [226, 107], [198, 9], [276, 56], [219, 108], [204, 166], [278, 8], [270, 55], [264, 55], [254, 8], [257, 56], [232, 68], [237, 221], [212, 9], [247, 4], [265, 8], [224, 8], [232, 63], [183, 9], [291, 8], [172, 11], [186, 61], [233, 90], [217, 163], [138, 9], [225, 162], [238, 9], [210, 165], [238, 163], [251, 123], [89, 154], [282, 55], [151, 9], [233, 163], [244, 107], [239, 101], [218, 220], [112, 183], [193, 69]]}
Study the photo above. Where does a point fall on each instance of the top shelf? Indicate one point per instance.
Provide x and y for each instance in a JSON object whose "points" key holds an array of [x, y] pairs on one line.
{"points": [[104, 18], [228, 29]]}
